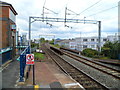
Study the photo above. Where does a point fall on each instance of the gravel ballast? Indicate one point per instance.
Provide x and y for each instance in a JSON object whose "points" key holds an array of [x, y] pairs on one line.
{"points": [[105, 79]]}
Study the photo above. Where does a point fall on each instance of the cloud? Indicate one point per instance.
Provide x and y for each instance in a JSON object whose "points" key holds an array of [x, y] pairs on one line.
{"points": [[22, 24], [26, 8]]}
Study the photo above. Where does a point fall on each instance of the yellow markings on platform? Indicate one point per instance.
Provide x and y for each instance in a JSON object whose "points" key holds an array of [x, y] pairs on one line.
{"points": [[36, 87]]}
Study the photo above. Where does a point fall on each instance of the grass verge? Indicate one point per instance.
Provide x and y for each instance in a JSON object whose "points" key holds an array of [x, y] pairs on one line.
{"points": [[56, 45], [39, 55]]}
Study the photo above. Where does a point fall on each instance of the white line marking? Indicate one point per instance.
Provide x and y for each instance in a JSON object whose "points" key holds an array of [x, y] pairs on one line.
{"points": [[74, 84]]}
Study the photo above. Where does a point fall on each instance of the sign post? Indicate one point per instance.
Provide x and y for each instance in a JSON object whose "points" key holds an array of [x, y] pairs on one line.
{"points": [[30, 61]]}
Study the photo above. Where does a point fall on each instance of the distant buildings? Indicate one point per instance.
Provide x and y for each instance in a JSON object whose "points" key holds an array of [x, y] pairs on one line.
{"points": [[82, 43], [36, 41], [65, 42], [112, 38], [24, 40]]}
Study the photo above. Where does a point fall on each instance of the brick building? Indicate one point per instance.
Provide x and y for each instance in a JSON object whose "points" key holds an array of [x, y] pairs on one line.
{"points": [[7, 25]]}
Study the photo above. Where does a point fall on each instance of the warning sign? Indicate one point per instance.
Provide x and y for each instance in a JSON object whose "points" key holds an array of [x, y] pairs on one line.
{"points": [[30, 59]]}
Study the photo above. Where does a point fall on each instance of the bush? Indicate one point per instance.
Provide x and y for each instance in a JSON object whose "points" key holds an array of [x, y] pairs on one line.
{"points": [[52, 41], [34, 45], [90, 52], [111, 50], [57, 45]]}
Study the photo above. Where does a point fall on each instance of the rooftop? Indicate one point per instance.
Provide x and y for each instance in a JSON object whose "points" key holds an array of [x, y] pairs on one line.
{"points": [[10, 6]]}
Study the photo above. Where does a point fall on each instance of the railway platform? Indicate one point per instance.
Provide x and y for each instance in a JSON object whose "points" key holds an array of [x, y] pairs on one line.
{"points": [[48, 75]]}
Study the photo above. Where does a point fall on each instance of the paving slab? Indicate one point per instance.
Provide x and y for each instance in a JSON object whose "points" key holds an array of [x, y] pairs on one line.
{"points": [[10, 74], [47, 73]]}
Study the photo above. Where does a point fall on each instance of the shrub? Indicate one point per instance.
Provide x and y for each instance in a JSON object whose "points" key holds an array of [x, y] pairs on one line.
{"points": [[57, 45], [111, 50], [90, 52]]}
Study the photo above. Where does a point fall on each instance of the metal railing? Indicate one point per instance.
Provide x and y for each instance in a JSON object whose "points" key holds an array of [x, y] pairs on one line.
{"points": [[23, 62], [5, 55]]}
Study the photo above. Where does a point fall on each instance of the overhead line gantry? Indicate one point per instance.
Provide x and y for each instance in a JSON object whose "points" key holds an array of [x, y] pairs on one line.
{"points": [[65, 20]]}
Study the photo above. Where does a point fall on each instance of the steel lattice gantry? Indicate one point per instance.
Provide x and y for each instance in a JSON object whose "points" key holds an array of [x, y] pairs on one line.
{"points": [[65, 20], [47, 19]]}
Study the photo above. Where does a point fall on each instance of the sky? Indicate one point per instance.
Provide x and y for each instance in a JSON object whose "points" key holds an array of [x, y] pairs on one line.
{"points": [[90, 9]]}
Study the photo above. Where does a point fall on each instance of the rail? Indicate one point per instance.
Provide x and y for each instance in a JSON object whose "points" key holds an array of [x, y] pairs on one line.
{"points": [[110, 71]]}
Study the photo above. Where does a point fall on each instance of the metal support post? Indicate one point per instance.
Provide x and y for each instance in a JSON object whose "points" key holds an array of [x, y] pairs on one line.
{"points": [[119, 21], [30, 47], [119, 28], [21, 69], [99, 36], [33, 75], [20, 44], [54, 39], [13, 48], [65, 16], [39, 44], [30, 33], [16, 38], [43, 14]]}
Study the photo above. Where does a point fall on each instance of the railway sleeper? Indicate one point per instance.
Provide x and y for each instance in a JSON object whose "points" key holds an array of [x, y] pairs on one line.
{"points": [[89, 84], [84, 79], [93, 87], [80, 75], [115, 73], [118, 75]]}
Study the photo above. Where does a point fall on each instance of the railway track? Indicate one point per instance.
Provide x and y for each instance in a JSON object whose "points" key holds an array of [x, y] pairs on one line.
{"points": [[114, 62], [111, 61], [113, 72], [80, 76]]}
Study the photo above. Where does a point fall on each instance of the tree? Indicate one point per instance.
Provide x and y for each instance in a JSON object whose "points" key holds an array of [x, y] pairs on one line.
{"points": [[105, 51], [42, 40], [111, 49], [52, 42], [34, 45]]}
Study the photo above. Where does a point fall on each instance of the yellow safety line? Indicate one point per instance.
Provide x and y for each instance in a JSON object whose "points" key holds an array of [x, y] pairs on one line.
{"points": [[36, 87]]}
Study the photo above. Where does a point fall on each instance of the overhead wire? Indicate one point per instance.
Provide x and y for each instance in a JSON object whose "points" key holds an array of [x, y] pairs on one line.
{"points": [[44, 3], [88, 8], [61, 11], [50, 10], [47, 13], [102, 11]]}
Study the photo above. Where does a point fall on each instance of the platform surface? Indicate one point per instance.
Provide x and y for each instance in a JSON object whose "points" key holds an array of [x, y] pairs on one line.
{"points": [[47, 73]]}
